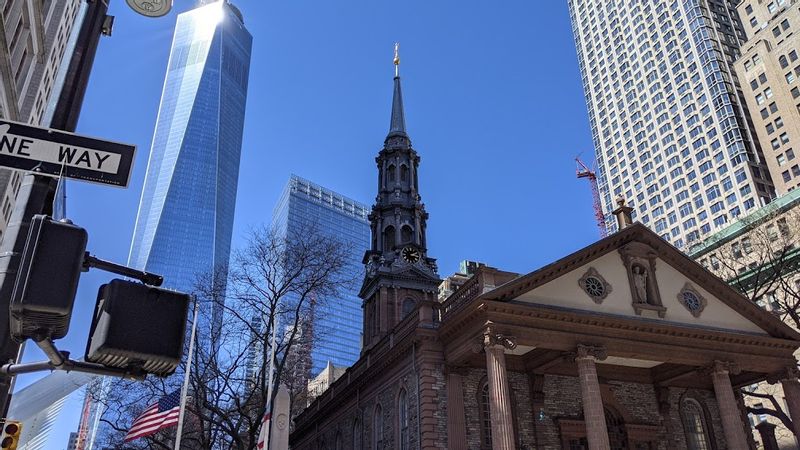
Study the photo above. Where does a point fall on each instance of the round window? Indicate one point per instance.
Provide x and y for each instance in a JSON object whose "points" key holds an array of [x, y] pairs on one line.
{"points": [[595, 287], [691, 300]]}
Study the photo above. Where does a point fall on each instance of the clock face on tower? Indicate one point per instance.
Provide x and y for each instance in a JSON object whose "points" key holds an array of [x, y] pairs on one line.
{"points": [[410, 254]]}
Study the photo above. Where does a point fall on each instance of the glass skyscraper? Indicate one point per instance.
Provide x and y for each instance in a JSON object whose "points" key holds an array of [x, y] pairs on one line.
{"points": [[337, 322], [185, 218], [671, 133]]}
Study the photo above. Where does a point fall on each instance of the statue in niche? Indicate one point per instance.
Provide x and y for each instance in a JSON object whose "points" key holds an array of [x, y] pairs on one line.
{"points": [[640, 282]]}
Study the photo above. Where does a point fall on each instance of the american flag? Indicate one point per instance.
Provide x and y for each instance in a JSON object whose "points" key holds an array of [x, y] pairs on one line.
{"points": [[263, 434], [162, 414]]}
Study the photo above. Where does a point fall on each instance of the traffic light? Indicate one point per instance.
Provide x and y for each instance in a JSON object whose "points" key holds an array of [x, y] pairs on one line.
{"points": [[138, 327], [47, 279], [9, 439]]}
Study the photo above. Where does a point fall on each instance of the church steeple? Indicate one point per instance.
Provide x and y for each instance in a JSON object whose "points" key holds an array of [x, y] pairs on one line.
{"points": [[398, 257], [397, 125]]}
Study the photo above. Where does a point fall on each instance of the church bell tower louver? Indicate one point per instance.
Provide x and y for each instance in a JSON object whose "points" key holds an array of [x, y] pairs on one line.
{"points": [[399, 273]]}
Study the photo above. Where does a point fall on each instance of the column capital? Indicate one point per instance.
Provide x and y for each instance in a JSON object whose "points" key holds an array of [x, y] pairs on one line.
{"points": [[596, 352], [722, 367], [788, 373], [490, 339]]}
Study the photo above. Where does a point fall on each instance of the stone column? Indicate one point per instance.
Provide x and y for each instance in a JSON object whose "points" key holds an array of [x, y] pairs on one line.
{"points": [[767, 432], [594, 415], [499, 394], [728, 409], [456, 420], [791, 391]]}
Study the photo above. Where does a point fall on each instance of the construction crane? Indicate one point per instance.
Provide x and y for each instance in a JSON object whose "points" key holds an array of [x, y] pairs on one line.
{"points": [[583, 171]]}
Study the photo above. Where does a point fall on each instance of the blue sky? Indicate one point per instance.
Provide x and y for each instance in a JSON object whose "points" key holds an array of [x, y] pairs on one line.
{"points": [[494, 106]]}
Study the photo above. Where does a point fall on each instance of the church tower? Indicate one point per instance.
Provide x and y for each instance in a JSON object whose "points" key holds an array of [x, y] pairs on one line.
{"points": [[399, 273]]}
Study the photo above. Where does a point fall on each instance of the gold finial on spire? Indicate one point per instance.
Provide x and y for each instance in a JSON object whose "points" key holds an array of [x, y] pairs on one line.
{"points": [[396, 59]]}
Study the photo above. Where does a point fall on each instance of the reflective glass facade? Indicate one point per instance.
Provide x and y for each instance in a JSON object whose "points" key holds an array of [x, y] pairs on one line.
{"points": [[185, 218], [337, 322], [670, 132]]}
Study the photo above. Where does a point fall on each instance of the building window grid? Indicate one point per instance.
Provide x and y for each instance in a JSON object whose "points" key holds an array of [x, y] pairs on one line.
{"points": [[678, 72]]}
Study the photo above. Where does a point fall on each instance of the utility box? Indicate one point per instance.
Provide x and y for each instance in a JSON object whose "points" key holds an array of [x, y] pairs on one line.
{"points": [[47, 279], [138, 327]]}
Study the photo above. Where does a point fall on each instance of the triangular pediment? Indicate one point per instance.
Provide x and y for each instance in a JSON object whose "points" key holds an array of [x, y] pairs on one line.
{"points": [[401, 275], [615, 290], [416, 272]]}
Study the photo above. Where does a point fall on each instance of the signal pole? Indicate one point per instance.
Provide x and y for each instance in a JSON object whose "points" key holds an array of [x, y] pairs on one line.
{"points": [[37, 192]]}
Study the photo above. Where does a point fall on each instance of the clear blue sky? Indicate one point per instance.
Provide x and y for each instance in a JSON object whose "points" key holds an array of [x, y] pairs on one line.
{"points": [[494, 106]]}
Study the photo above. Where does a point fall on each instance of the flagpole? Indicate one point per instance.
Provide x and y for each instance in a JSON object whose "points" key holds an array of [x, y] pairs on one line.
{"points": [[266, 423], [185, 388]]}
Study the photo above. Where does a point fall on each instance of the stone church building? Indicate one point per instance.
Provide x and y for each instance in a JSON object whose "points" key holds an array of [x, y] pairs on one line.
{"points": [[624, 344]]}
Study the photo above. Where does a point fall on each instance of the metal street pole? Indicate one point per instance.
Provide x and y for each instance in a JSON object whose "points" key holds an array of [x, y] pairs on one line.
{"points": [[37, 192], [35, 197]]}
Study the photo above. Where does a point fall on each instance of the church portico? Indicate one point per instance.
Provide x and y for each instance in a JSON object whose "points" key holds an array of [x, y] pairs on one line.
{"points": [[653, 356]]}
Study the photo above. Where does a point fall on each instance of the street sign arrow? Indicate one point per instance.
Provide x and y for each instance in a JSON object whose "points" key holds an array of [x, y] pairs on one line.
{"points": [[59, 153]]}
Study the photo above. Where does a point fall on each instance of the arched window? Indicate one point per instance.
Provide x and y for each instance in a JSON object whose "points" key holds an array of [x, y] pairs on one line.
{"points": [[403, 173], [390, 173], [615, 428], [388, 238], [338, 445], [486, 416], [694, 425], [402, 416], [406, 234], [408, 306], [377, 428], [356, 434]]}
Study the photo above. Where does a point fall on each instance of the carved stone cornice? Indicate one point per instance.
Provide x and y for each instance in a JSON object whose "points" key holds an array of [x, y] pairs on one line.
{"points": [[596, 352], [788, 373]]}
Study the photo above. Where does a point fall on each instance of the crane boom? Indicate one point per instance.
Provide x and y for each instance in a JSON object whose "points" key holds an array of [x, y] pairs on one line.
{"points": [[583, 171]]}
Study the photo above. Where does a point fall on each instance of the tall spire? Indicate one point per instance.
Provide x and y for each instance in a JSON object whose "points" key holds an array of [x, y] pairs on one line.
{"points": [[398, 122]]}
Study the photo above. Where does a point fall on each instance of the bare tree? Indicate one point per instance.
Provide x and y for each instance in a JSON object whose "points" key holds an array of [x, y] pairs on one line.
{"points": [[762, 261], [274, 283]]}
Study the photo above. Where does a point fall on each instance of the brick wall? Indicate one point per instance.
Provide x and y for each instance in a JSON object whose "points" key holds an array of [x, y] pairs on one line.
{"points": [[521, 408], [562, 399], [386, 393], [637, 403]]}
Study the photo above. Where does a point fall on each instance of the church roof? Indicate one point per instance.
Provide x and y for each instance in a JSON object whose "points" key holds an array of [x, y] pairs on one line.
{"points": [[671, 255]]}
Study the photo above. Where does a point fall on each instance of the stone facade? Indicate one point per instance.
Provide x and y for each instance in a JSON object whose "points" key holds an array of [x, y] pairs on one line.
{"points": [[769, 72]]}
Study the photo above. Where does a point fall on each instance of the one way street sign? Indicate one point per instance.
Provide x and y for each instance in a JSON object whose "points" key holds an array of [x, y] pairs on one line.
{"points": [[59, 153]]}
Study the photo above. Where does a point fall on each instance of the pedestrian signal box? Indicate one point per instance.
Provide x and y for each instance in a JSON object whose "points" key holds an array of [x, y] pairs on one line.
{"points": [[138, 327], [47, 279]]}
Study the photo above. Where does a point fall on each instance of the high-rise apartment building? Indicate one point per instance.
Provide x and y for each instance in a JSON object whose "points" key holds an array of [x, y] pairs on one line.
{"points": [[37, 41], [185, 218], [769, 69], [337, 322], [671, 134]]}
